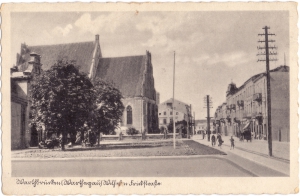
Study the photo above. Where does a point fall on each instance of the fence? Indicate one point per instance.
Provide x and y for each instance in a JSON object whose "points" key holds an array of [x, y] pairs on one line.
{"points": [[138, 137]]}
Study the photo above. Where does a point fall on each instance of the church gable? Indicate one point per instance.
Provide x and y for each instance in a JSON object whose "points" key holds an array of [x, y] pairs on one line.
{"points": [[148, 80]]}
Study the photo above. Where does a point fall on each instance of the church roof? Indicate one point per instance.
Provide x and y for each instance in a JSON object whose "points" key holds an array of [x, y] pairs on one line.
{"points": [[81, 53], [125, 72]]}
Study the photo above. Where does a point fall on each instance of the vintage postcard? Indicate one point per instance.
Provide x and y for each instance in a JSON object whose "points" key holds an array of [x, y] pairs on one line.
{"points": [[149, 98]]}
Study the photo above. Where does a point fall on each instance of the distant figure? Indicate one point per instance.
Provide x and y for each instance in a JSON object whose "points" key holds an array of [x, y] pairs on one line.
{"points": [[213, 140], [242, 137], [203, 134], [232, 143], [219, 138]]}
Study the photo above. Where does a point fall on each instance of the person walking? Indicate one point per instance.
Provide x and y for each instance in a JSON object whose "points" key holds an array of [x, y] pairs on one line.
{"points": [[213, 140], [232, 143], [219, 138]]}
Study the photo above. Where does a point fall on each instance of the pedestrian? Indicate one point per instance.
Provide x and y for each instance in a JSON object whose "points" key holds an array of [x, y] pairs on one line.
{"points": [[219, 138], [203, 134], [232, 143], [213, 140]]}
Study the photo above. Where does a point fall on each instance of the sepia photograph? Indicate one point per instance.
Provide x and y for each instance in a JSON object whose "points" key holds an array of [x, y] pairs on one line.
{"points": [[137, 96]]}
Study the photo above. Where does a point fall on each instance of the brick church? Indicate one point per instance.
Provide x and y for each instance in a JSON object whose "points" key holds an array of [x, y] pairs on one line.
{"points": [[132, 75]]}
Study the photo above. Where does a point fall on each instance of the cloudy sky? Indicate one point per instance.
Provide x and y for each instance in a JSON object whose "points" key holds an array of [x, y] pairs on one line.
{"points": [[212, 48]]}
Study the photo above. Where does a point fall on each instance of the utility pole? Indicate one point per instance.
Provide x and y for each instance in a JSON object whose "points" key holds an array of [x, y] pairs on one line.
{"points": [[208, 102], [190, 120], [194, 124], [188, 112], [267, 54], [174, 128]]}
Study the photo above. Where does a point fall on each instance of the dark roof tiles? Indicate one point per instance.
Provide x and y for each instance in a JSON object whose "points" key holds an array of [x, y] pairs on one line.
{"points": [[81, 53], [125, 72]]}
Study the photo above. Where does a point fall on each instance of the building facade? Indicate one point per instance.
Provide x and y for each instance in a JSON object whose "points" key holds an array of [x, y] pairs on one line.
{"points": [[165, 112], [132, 75], [248, 103], [201, 125]]}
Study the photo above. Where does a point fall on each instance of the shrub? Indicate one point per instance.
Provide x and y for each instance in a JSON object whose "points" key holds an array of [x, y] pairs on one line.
{"points": [[132, 131]]}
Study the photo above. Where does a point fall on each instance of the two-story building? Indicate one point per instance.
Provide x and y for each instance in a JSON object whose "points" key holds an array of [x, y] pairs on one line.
{"points": [[165, 112]]}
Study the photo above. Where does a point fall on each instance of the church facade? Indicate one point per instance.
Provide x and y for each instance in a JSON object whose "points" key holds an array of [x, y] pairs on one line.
{"points": [[132, 75]]}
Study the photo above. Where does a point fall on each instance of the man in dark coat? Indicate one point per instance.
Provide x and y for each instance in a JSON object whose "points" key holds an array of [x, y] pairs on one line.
{"points": [[213, 140]]}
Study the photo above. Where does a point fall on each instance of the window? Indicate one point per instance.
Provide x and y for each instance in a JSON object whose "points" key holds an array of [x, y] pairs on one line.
{"points": [[159, 114], [129, 115], [176, 113], [165, 121], [171, 113], [165, 113]]}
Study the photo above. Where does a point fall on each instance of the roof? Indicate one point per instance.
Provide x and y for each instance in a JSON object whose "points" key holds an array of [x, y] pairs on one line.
{"points": [[178, 105], [282, 68], [125, 72], [81, 53]]}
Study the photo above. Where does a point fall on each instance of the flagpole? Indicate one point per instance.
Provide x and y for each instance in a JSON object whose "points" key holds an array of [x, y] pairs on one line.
{"points": [[174, 129]]}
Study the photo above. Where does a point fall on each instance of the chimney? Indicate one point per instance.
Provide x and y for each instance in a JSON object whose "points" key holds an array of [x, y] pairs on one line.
{"points": [[35, 62], [97, 38]]}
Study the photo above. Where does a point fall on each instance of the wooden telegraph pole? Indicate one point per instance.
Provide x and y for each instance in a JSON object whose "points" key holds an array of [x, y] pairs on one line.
{"points": [[174, 128], [208, 102], [194, 124], [267, 54]]}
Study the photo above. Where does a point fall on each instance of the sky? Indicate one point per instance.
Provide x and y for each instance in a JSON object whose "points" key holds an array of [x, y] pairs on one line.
{"points": [[213, 48]]}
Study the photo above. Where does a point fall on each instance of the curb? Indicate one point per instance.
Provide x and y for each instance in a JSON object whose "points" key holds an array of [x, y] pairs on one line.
{"points": [[114, 158]]}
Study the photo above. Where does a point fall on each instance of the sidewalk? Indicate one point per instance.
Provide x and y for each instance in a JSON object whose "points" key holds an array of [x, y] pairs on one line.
{"points": [[280, 150], [246, 151]]}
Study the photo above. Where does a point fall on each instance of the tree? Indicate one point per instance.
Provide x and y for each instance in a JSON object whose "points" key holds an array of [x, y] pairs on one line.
{"points": [[108, 107], [178, 125], [62, 99]]}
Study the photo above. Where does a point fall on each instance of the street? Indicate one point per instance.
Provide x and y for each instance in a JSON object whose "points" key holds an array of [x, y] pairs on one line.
{"points": [[204, 166]]}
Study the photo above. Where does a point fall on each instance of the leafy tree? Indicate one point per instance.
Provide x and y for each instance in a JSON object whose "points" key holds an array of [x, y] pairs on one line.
{"points": [[109, 108], [62, 99], [179, 125]]}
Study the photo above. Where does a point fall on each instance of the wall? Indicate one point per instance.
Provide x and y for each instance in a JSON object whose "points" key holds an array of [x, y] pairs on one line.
{"points": [[20, 131], [16, 128], [137, 116], [280, 105], [179, 116]]}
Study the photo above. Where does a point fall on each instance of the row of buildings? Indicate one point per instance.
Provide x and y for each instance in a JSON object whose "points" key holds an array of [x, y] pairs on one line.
{"points": [[247, 105], [132, 75]]}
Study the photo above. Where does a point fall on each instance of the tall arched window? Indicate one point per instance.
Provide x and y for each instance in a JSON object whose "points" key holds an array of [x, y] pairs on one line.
{"points": [[129, 115]]}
